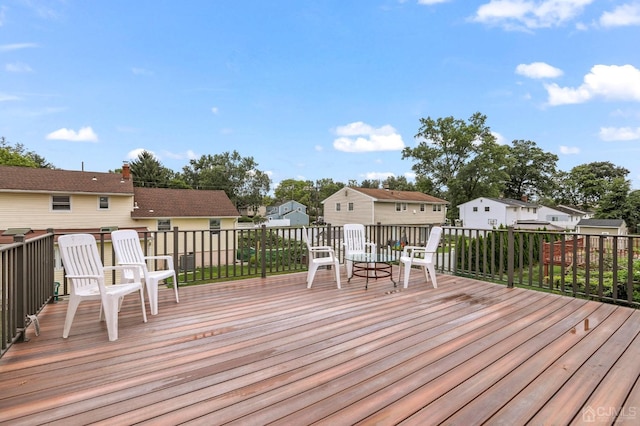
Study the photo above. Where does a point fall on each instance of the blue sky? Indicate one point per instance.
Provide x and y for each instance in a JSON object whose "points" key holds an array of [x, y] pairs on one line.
{"points": [[316, 89]]}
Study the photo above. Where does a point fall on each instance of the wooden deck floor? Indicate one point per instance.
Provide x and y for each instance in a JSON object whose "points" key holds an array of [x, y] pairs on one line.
{"points": [[271, 351]]}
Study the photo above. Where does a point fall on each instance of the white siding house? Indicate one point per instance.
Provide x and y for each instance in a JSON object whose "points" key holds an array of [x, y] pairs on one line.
{"points": [[562, 216], [489, 213]]}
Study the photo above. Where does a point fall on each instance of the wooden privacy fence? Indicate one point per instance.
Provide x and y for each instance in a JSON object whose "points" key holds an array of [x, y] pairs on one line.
{"points": [[561, 253]]}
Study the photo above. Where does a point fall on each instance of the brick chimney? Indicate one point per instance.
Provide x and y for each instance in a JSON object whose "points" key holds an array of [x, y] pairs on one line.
{"points": [[126, 171]]}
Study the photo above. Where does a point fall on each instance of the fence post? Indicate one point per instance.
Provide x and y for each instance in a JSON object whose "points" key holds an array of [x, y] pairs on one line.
{"points": [[510, 254], [21, 288], [263, 251], [176, 248]]}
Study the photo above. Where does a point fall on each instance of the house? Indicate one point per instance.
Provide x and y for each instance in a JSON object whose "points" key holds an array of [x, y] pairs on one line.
{"points": [[564, 217], [33, 200], [370, 206], [293, 211], [602, 226], [490, 213]]}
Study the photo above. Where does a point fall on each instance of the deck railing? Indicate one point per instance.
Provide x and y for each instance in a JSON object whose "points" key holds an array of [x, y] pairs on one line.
{"points": [[26, 284], [599, 267]]}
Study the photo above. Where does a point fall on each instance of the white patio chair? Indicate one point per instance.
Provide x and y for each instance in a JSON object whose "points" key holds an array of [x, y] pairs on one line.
{"points": [[84, 270], [355, 242], [422, 257], [126, 244], [320, 256]]}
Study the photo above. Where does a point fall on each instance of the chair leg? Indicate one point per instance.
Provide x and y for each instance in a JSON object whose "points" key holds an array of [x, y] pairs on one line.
{"points": [[349, 266], [432, 273], [144, 309], [311, 273], [336, 266], [152, 292], [110, 306], [72, 307], [407, 272], [175, 287]]}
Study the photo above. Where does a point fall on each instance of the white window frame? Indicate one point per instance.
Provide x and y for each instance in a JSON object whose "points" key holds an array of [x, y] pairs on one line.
{"points": [[350, 207], [163, 224], [60, 203], [108, 202], [215, 225], [338, 208]]}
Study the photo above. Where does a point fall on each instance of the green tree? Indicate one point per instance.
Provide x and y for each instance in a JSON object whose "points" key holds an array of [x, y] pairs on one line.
{"points": [[17, 155], [530, 171], [458, 160], [148, 172], [620, 202], [398, 184], [586, 184], [293, 189], [237, 176]]}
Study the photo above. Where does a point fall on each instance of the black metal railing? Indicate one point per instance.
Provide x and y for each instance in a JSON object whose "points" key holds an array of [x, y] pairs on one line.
{"points": [[598, 267], [26, 285]]}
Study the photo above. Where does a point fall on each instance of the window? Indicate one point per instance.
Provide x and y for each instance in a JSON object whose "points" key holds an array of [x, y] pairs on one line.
{"points": [[61, 203], [337, 207], [350, 207], [492, 221], [404, 207], [475, 209], [398, 207], [555, 218], [422, 207], [103, 203], [214, 226], [164, 224], [437, 208], [486, 209], [535, 210]]}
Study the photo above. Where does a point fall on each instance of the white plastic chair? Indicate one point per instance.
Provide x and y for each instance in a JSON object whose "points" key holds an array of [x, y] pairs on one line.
{"points": [[126, 244], [422, 257], [320, 256], [355, 242], [84, 270]]}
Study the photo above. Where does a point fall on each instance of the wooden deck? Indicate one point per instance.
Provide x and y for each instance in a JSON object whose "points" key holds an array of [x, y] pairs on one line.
{"points": [[260, 351]]}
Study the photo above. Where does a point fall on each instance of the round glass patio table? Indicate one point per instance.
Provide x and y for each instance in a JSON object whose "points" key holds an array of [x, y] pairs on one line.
{"points": [[371, 265]]}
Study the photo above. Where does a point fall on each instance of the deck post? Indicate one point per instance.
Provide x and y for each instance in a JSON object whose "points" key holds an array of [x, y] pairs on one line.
{"points": [[510, 255], [263, 251]]}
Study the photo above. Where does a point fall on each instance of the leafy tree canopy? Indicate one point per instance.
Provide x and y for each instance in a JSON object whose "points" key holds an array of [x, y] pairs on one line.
{"points": [[237, 176], [17, 155]]}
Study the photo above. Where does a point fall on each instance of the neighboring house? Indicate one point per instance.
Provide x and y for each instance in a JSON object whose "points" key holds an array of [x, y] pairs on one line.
{"points": [[370, 206], [564, 217], [293, 211], [489, 213], [33, 200], [602, 226]]}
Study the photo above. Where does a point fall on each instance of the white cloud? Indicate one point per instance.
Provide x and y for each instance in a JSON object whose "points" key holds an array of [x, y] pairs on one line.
{"points": [[431, 1], [141, 71], [215, 110], [624, 15], [378, 175], [569, 150], [318, 148], [85, 134], [538, 70], [16, 46], [134, 154], [529, 14], [188, 154], [619, 133], [610, 82], [500, 140], [361, 137], [18, 67], [5, 97]]}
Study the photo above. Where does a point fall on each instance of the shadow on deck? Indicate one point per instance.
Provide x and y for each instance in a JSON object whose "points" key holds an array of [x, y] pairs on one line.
{"points": [[270, 350]]}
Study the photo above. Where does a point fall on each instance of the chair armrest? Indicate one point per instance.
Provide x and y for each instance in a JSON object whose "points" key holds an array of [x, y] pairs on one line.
{"points": [[165, 257], [133, 267], [321, 248], [411, 251]]}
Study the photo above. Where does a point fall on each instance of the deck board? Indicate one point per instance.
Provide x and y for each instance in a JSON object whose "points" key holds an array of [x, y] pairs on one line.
{"points": [[260, 351]]}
